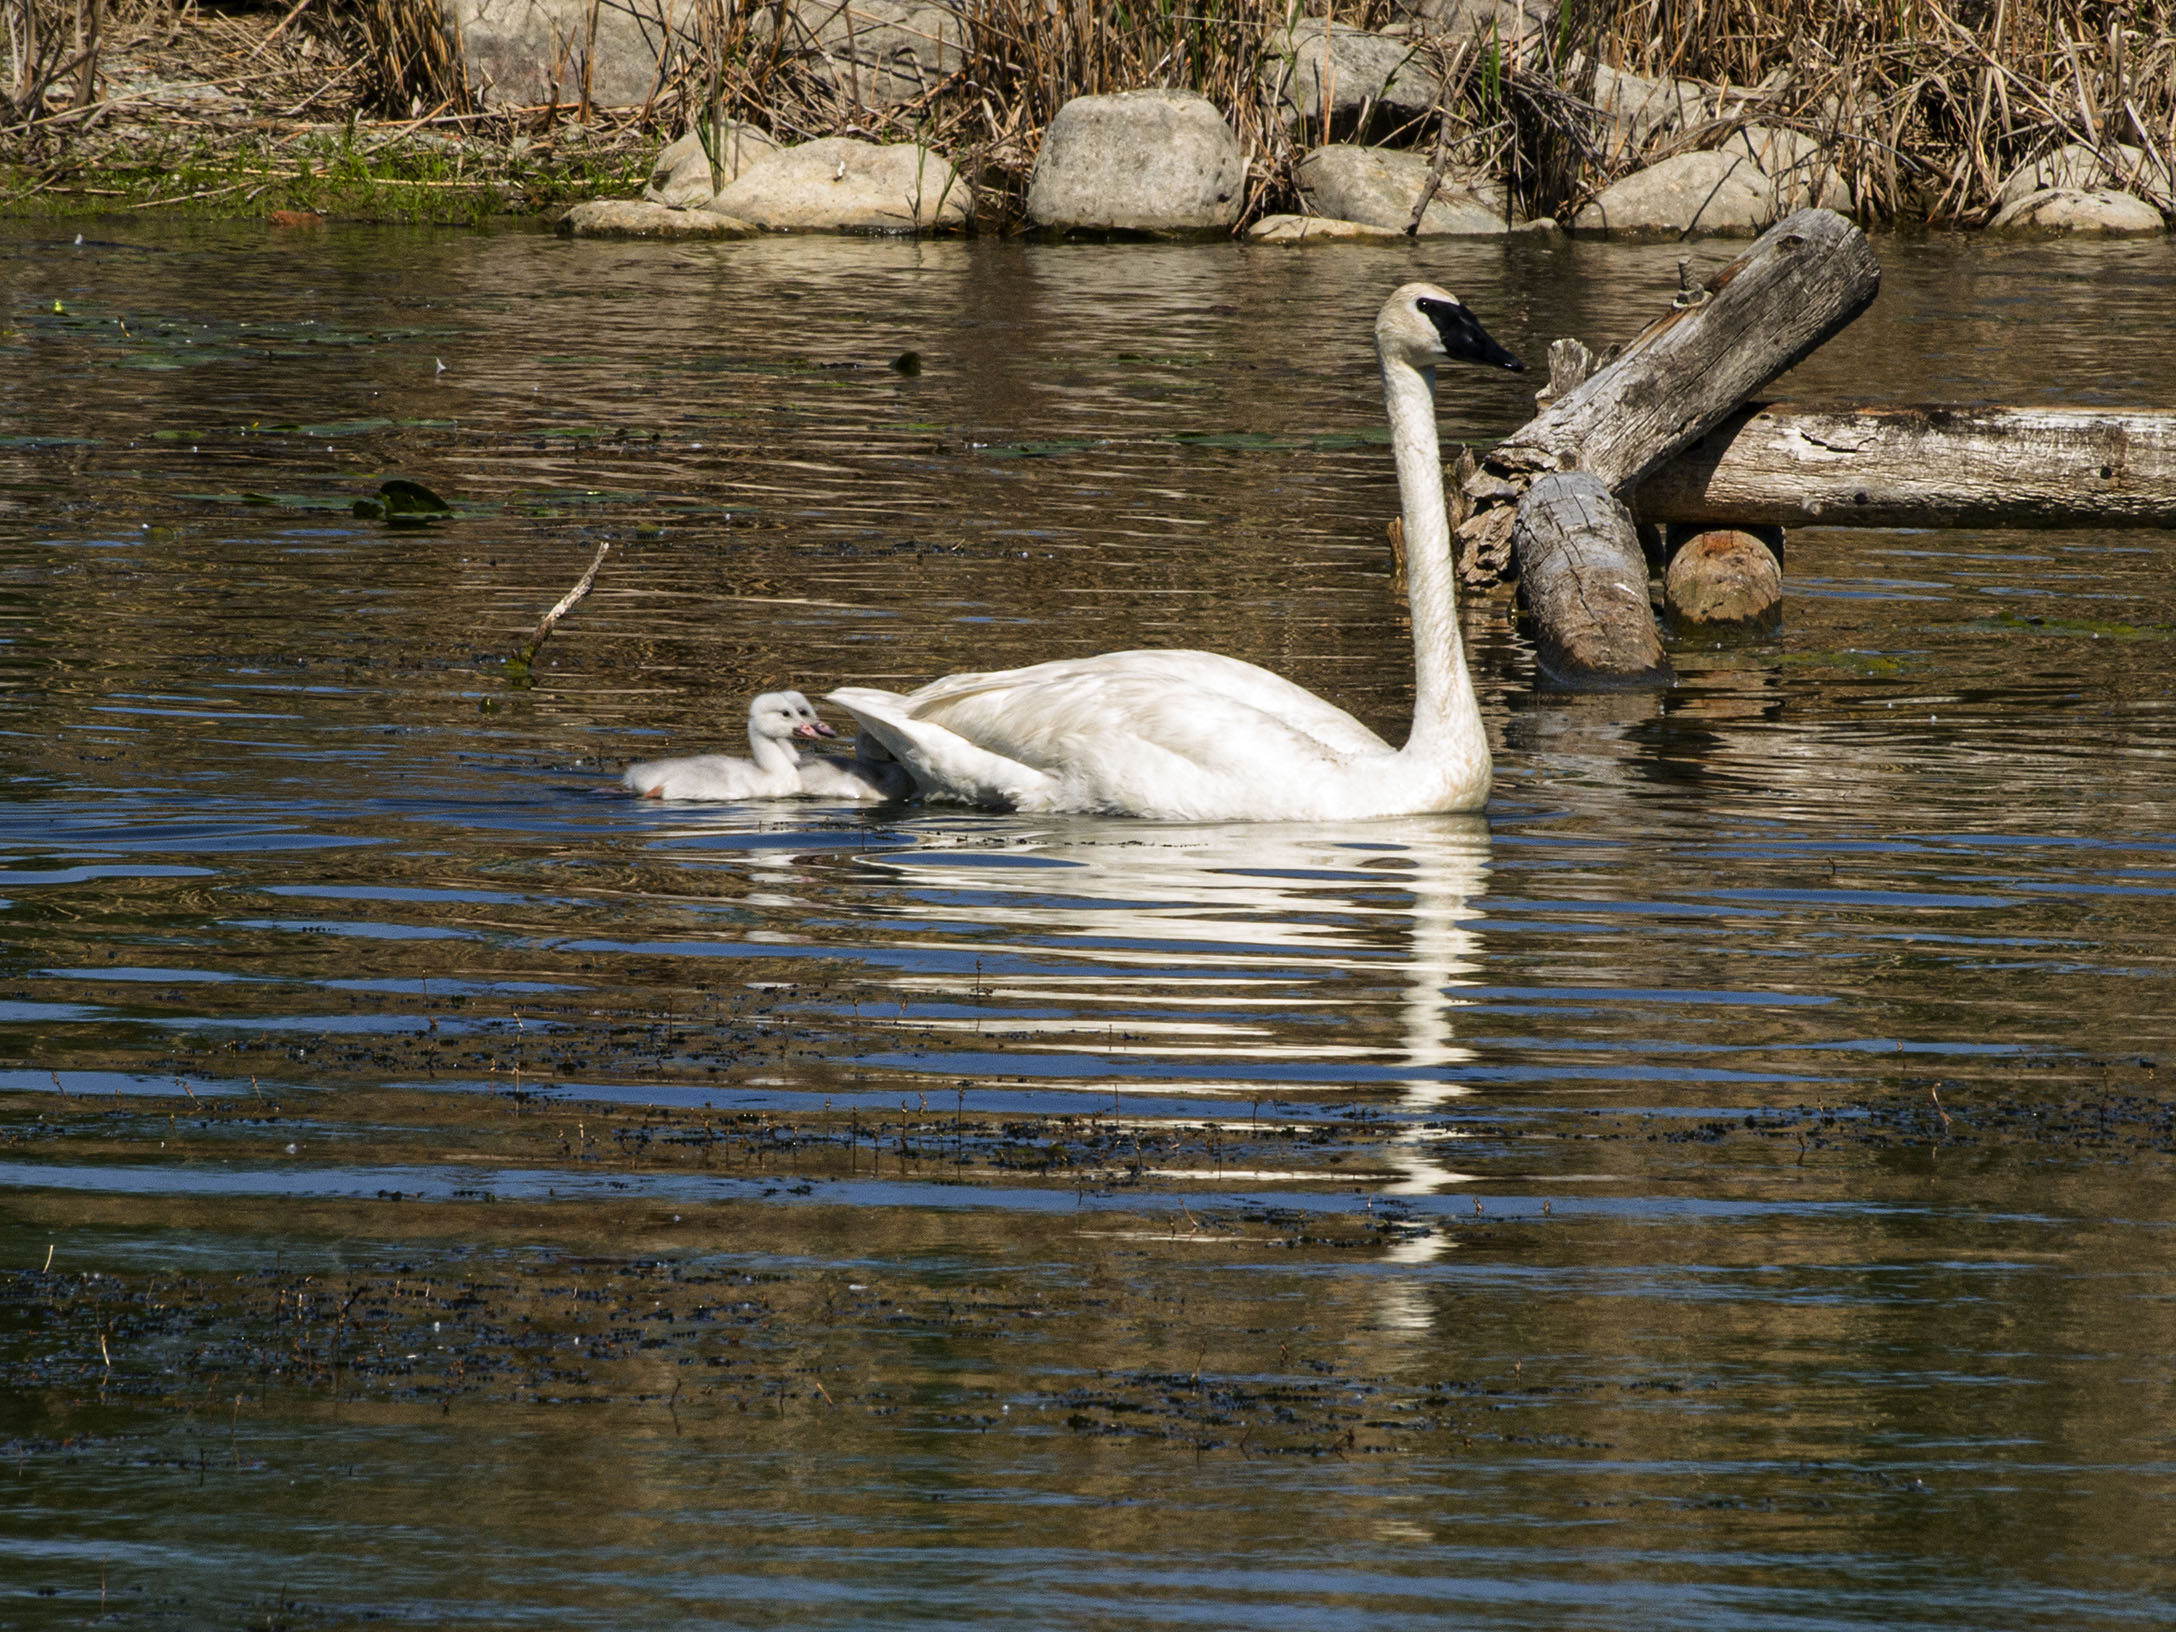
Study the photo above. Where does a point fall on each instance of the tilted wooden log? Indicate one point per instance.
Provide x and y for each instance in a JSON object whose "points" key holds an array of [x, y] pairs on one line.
{"points": [[1584, 577], [1794, 466], [1800, 282]]}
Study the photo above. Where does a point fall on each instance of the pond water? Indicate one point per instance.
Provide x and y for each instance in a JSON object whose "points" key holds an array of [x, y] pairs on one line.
{"points": [[1729, 1185]]}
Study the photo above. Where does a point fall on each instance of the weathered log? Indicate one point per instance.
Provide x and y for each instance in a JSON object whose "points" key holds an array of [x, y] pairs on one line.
{"points": [[1723, 577], [1584, 579], [1800, 282], [1789, 465]]}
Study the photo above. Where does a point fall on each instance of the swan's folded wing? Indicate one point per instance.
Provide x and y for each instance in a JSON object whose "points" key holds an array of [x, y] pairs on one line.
{"points": [[943, 763], [1202, 677]]}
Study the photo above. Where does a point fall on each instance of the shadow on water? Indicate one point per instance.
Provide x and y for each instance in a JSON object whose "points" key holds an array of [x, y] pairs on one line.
{"points": [[1724, 1187]]}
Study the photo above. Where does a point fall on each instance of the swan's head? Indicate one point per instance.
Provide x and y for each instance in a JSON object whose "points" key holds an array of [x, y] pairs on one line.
{"points": [[1422, 326], [784, 714]]}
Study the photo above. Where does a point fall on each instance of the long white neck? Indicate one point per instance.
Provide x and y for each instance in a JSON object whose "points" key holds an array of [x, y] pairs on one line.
{"points": [[773, 754], [1446, 715]]}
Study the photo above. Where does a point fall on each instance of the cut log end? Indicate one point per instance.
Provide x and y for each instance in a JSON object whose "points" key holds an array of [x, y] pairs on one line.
{"points": [[1724, 579], [1584, 581]]}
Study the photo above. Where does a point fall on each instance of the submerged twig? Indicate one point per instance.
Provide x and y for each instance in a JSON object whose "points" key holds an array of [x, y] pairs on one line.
{"points": [[519, 666]]}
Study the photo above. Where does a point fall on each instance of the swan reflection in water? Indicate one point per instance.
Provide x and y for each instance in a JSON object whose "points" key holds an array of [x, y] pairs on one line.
{"points": [[1255, 945]]}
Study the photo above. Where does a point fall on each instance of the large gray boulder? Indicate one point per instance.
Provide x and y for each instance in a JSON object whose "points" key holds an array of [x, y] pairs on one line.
{"points": [[2072, 209], [1740, 189], [1323, 74], [839, 184], [878, 53], [638, 218], [1140, 161], [522, 52], [684, 176], [2079, 168], [1378, 186]]}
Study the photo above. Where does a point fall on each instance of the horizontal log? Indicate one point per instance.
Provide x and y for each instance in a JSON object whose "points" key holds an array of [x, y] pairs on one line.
{"points": [[1792, 288], [1784, 464]]}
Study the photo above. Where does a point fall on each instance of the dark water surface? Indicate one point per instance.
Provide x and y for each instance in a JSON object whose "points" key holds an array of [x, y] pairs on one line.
{"points": [[1730, 1186]]}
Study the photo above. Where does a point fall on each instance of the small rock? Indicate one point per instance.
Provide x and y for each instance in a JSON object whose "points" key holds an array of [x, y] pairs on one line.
{"points": [[1724, 577], [1324, 74], [2079, 168], [1314, 229], [878, 53], [839, 184], [1726, 191], [684, 177], [639, 218], [2067, 209], [1140, 161], [1378, 186]]}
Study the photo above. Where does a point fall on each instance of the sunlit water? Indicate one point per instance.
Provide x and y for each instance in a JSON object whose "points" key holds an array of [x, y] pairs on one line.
{"points": [[1727, 1186]]}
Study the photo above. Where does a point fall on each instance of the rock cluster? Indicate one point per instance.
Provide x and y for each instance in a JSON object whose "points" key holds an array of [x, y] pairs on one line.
{"points": [[1161, 162]]}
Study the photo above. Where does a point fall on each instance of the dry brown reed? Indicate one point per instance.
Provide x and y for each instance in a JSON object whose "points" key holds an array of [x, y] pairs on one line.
{"points": [[49, 69], [1932, 106], [411, 64]]}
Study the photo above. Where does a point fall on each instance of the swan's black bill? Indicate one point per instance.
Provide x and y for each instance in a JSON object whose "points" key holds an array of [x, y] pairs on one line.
{"points": [[1464, 338]]}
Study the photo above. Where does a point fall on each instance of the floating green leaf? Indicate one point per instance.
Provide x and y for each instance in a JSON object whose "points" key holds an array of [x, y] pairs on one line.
{"points": [[402, 503]]}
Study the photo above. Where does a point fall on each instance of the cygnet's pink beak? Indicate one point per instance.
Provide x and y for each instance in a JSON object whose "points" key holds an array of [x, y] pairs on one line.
{"points": [[814, 728]]}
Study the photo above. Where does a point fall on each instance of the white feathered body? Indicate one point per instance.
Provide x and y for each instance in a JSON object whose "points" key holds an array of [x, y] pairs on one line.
{"points": [[1180, 735], [711, 776], [1191, 736]]}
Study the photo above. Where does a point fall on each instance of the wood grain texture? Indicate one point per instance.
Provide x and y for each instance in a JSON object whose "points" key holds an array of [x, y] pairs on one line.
{"points": [[1584, 581], [1798, 284], [1797, 466]]}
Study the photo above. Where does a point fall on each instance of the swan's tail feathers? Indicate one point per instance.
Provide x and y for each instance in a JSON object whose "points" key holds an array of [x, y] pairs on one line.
{"points": [[944, 764]]}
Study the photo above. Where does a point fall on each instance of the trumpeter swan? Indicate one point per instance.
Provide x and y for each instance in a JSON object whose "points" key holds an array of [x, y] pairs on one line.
{"points": [[1195, 736]]}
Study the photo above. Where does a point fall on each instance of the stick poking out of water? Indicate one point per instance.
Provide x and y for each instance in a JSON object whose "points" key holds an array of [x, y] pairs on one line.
{"points": [[518, 666]]}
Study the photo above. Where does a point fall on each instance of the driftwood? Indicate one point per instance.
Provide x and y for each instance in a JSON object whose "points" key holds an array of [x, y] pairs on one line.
{"points": [[1785, 465], [1799, 283], [1584, 576], [521, 666]]}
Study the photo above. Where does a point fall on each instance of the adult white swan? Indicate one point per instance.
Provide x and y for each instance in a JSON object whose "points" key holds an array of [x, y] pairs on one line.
{"points": [[1197, 737]]}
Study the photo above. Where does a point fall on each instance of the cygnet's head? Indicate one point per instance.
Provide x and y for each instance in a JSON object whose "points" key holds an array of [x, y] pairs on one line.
{"points": [[784, 714], [1422, 326]]}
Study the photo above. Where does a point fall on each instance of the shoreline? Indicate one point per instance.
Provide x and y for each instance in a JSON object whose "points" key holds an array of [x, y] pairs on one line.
{"points": [[1480, 115]]}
